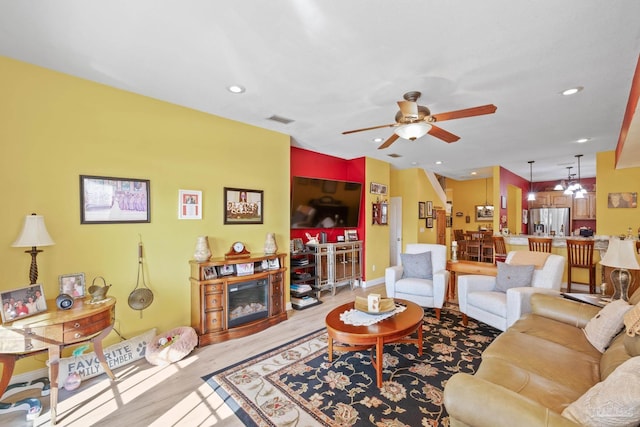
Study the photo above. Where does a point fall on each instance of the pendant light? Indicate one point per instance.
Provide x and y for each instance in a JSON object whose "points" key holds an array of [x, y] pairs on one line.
{"points": [[579, 194], [569, 190], [532, 196]]}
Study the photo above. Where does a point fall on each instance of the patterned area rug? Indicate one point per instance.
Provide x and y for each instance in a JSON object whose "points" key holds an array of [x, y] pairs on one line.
{"points": [[295, 385]]}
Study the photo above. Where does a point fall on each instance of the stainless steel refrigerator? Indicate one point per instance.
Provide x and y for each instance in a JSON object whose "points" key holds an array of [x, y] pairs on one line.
{"points": [[547, 221]]}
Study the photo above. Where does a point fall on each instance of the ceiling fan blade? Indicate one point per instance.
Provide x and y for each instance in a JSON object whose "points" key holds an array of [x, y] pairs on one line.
{"points": [[389, 141], [467, 112], [409, 109], [442, 134], [371, 128]]}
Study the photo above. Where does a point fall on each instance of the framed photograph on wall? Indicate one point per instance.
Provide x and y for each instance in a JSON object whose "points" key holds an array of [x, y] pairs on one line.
{"points": [[375, 188], [484, 213], [422, 210], [429, 222], [622, 200], [72, 284], [449, 221], [106, 200], [189, 204], [22, 302], [429, 208], [242, 206]]}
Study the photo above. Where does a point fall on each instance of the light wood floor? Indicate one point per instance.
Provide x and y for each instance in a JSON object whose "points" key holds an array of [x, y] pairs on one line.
{"points": [[175, 395]]}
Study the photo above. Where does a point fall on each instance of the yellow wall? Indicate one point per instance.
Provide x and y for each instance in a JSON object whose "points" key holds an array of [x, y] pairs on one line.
{"points": [[56, 127], [466, 196], [614, 222], [414, 186], [377, 236]]}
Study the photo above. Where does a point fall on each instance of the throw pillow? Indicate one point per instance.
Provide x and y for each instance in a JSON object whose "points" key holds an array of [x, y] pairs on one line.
{"points": [[612, 402], [601, 329], [417, 266], [513, 276]]}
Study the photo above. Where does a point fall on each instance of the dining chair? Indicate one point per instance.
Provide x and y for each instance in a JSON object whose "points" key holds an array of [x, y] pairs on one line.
{"points": [[487, 249], [458, 235], [473, 248], [540, 244], [499, 249], [580, 255]]}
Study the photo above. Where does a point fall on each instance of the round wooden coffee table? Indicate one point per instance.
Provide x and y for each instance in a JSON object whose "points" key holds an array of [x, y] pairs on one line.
{"points": [[396, 328]]}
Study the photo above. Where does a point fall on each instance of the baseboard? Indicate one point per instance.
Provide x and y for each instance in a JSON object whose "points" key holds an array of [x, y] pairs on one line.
{"points": [[373, 282]]}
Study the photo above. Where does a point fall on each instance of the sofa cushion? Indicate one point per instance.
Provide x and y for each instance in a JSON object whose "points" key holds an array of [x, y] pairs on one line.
{"points": [[601, 329], [612, 402], [417, 266], [513, 276]]}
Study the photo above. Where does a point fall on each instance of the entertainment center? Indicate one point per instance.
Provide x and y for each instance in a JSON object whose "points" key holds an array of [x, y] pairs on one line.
{"points": [[232, 298]]}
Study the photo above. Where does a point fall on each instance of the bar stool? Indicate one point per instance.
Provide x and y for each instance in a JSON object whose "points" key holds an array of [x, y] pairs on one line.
{"points": [[540, 244], [580, 255], [499, 249]]}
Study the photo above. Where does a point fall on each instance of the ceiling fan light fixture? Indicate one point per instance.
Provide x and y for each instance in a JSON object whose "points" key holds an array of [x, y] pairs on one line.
{"points": [[413, 131]]}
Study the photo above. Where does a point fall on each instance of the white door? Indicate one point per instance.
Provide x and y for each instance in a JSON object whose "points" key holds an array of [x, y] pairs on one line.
{"points": [[395, 231]]}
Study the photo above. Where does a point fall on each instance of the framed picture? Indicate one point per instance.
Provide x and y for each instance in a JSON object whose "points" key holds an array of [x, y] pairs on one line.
{"points": [[106, 200], [209, 272], [244, 269], [72, 284], [429, 208], [22, 302], [421, 210], [375, 188], [503, 202], [297, 245], [351, 235], [274, 264], [622, 200], [243, 206], [189, 204], [484, 213], [226, 270], [429, 222], [449, 221]]}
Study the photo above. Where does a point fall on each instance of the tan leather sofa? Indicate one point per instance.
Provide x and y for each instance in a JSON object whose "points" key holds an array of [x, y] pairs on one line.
{"points": [[531, 372]]}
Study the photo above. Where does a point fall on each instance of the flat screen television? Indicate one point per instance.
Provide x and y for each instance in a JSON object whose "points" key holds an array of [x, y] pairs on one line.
{"points": [[324, 203]]}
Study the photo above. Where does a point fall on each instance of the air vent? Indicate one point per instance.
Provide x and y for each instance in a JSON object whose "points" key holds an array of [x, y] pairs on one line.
{"points": [[395, 156], [280, 119]]}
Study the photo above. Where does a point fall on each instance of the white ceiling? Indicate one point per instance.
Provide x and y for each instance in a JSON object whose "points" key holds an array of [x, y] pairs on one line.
{"points": [[336, 65]]}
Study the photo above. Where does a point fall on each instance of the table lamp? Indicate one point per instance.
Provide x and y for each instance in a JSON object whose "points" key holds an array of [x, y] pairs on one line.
{"points": [[34, 233], [621, 257]]}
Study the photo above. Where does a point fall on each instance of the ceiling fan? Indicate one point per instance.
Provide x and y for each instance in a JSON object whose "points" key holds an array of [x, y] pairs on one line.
{"points": [[413, 121]]}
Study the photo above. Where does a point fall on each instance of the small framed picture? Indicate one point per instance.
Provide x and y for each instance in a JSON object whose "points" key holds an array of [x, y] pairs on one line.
{"points": [[429, 222], [189, 204], [244, 269], [429, 209], [274, 264], [209, 272], [72, 284], [226, 270], [422, 213], [22, 302], [351, 235], [449, 221]]}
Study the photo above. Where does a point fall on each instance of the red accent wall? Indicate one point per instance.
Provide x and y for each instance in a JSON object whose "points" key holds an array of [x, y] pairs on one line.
{"points": [[316, 165], [509, 178]]}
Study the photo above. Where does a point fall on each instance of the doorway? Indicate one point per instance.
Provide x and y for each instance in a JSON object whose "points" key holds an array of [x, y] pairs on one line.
{"points": [[395, 230]]}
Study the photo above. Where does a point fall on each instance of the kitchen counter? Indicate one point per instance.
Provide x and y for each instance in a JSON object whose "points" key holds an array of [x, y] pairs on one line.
{"points": [[601, 242]]}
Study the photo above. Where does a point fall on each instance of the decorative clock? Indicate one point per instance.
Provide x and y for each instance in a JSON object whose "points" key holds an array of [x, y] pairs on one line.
{"points": [[238, 250]]}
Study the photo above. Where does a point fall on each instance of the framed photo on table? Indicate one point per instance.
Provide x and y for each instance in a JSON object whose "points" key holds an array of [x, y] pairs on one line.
{"points": [[22, 302], [72, 284], [106, 200]]}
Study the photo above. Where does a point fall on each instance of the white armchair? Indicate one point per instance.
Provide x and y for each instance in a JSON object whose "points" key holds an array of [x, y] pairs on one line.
{"points": [[424, 292], [479, 298]]}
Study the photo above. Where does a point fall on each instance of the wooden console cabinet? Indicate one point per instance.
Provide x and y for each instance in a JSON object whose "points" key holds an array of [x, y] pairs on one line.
{"points": [[210, 285]]}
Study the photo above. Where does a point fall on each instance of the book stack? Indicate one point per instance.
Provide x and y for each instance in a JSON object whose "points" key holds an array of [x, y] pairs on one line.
{"points": [[298, 262], [303, 301], [300, 288]]}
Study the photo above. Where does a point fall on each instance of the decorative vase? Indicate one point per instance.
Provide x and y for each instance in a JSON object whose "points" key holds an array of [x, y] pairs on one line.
{"points": [[270, 246], [202, 253]]}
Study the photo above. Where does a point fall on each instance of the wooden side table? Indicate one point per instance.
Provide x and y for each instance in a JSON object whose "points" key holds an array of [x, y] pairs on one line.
{"points": [[51, 331], [467, 267]]}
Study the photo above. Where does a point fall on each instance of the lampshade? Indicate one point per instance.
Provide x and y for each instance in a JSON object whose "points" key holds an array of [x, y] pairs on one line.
{"points": [[34, 233], [413, 131], [559, 186], [620, 254]]}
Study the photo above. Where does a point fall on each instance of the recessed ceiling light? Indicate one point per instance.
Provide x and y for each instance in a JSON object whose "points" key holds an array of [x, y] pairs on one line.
{"points": [[414, 163], [572, 91], [582, 140], [236, 89], [378, 139], [439, 162], [474, 173]]}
